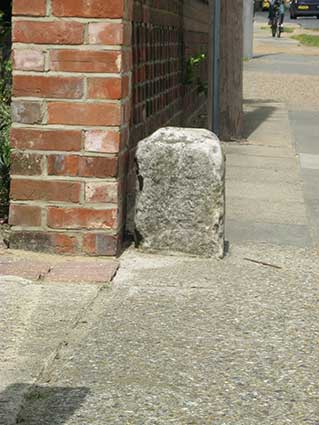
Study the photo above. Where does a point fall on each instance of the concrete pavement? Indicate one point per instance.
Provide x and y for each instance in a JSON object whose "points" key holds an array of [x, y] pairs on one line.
{"points": [[265, 198], [305, 125], [189, 341], [282, 111]]}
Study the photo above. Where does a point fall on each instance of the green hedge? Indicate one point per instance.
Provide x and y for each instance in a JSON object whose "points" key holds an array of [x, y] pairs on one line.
{"points": [[5, 111]]}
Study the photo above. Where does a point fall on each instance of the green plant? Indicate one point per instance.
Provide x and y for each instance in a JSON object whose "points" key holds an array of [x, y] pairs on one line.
{"points": [[192, 70], [289, 29], [5, 111], [307, 39]]}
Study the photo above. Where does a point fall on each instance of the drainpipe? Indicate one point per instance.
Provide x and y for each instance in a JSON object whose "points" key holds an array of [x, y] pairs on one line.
{"points": [[248, 28], [216, 67]]}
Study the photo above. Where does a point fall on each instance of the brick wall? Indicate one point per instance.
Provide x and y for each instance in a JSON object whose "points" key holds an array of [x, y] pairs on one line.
{"points": [[196, 40], [70, 110], [157, 39], [165, 35], [91, 78]]}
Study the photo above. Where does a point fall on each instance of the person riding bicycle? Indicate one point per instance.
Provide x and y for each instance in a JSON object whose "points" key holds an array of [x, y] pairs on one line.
{"points": [[277, 6]]}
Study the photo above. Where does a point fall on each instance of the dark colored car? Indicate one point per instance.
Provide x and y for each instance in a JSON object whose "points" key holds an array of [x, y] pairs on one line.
{"points": [[304, 8]]}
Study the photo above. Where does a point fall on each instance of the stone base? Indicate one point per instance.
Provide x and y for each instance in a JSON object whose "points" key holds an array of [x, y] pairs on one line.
{"points": [[180, 200]]}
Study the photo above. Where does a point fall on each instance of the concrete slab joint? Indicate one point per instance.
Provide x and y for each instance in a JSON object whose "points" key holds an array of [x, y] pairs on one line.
{"points": [[181, 192]]}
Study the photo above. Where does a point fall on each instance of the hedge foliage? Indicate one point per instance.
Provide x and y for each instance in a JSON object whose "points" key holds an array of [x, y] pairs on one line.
{"points": [[5, 112]]}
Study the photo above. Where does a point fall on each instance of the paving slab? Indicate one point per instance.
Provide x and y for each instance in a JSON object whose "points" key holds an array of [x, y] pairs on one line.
{"points": [[287, 58], [262, 162], [304, 125], [309, 161], [25, 268], [308, 117], [307, 140], [261, 175], [310, 183], [283, 67], [261, 211], [250, 149], [53, 268], [313, 213], [266, 191], [278, 233], [79, 271], [261, 122]]}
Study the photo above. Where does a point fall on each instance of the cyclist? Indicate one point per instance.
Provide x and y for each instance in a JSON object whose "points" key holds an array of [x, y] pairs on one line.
{"points": [[277, 5]]}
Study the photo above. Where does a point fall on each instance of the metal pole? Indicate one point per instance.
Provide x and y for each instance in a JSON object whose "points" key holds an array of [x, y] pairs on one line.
{"points": [[248, 25], [216, 66]]}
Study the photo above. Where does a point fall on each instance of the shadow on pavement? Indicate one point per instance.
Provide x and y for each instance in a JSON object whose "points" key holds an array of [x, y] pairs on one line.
{"points": [[256, 115], [267, 55], [41, 405]]}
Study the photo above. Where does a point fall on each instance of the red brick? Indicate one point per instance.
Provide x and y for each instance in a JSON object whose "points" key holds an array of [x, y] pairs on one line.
{"points": [[105, 33], [26, 164], [26, 112], [101, 244], [55, 140], [77, 218], [63, 165], [64, 244], [107, 141], [88, 8], [85, 61], [42, 86], [98, 167], [83, 271], [29, 7], [48, 32], [51, 242], [28, 60], [101, 192], [22, 266], [73, 165], [107, 88], [84, 113], [39, 190], [24, 215]]}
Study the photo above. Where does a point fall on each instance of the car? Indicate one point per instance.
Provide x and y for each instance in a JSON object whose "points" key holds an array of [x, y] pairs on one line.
{"points": [[265, 4], [304, 8]]}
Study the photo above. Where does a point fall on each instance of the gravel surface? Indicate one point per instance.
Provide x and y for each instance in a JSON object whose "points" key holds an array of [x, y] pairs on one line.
{"points": [[294, 90]]}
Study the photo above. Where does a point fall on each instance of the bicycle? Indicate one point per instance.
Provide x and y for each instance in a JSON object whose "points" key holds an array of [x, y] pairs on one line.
{"points": [[276, 28]]}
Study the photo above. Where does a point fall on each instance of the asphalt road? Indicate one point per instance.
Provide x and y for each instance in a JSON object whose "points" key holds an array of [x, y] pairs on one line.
{"points": [[307, 23]]}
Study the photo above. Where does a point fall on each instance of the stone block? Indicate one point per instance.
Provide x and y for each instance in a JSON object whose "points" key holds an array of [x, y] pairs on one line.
{"points": [[181, 192]]}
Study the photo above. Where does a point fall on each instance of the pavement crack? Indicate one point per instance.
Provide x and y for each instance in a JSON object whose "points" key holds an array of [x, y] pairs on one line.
{"points": [[263, 263]]}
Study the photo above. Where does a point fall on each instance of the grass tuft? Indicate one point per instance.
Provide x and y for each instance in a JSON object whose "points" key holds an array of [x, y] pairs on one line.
{"points": [[289, 29], [307, 39]]}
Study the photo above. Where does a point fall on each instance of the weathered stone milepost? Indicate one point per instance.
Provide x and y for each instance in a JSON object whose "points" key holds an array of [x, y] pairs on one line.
{"points": [[181, 192]]}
